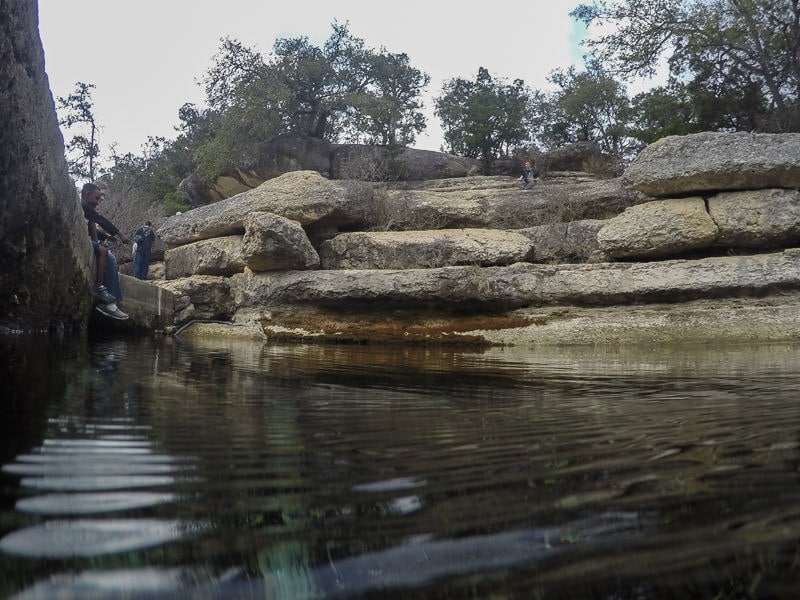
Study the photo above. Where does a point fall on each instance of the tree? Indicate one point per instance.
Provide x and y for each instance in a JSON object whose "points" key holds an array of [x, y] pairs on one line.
{"points": [[245, 101], [389, 110], [744, 52], [485, 118], [588, 106], [321, 81], [82, 150], [663, 111], [234, 66], [342, 90], [154, 176]]}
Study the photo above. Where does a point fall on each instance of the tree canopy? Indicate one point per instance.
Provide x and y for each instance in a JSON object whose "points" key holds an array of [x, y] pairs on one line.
{"points": [[736, 61], [587, 105], [340, 91], [485, 118], [733, 65]]}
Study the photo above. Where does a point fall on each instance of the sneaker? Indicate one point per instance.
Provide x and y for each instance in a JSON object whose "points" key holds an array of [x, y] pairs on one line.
{"points": [[111, 310], [101, 293]]}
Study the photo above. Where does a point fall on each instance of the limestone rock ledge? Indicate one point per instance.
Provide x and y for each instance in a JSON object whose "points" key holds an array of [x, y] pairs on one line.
{"points": [[738, 299], [713, 256], [719, 321], [497, 289]]}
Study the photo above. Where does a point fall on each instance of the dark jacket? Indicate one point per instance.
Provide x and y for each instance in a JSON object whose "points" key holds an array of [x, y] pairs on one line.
{"points": [[144, 238], [92, 216]]}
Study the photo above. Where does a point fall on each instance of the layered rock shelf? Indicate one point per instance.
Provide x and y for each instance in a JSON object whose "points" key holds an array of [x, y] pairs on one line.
{"points": [[695, 222]]}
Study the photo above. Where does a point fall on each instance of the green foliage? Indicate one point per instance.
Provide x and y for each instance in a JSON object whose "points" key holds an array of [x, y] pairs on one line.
{"points": [[245, 99], [485, 118], [342, 91], [587, 106], [321, 81], [173, 202], [76, 111], [154, 176], [389, 111], [733, 64], [234, 66], [735, 61], [661, 112], [680, 109]]}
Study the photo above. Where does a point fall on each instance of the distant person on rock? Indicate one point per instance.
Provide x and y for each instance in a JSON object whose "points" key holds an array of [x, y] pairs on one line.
{"points": [[142, 244], [106, 288], [529, 177]]}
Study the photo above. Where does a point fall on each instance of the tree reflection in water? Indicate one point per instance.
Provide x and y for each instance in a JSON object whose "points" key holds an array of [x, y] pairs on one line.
{"points": [[152, 468]]}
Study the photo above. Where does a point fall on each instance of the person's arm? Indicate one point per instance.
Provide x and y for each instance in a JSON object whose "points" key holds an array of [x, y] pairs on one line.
{"points": [[98, 219]]}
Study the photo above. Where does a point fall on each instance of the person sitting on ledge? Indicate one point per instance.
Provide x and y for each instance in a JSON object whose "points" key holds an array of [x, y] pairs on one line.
{"points": [[529, 177], [106, 288]]}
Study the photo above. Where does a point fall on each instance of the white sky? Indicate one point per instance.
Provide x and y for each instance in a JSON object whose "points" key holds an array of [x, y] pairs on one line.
{"points": [[145, 57]]}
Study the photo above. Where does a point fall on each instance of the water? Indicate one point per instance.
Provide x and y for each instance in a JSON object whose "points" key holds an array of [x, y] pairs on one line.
{"points": [[141, 468]]}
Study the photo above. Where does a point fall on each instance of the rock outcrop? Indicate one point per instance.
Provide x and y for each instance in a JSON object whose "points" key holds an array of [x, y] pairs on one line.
{"points": [[496, 289], [302, 196], [475, 255], [566, 242], [282, 154], [658, 229], [44, 281], [289, 152], [297, 245], [715, 162], [425, 249], [580, 156]]}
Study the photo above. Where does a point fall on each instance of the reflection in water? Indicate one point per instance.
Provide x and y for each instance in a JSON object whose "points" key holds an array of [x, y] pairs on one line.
{"points": [[67, 539], [82, 471], [235, 470], [90, 503], [405, 566]]}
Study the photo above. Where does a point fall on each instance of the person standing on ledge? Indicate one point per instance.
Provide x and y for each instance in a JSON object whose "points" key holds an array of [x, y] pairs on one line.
{"points": [[142, 244]]}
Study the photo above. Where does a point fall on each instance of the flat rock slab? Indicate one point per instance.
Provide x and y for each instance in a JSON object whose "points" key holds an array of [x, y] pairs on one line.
{"points": [[424, 249], [710, 161], [653, 326], [523, 284]]}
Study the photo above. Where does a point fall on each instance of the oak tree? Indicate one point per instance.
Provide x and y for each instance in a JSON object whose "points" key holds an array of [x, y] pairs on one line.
{"points": [[486, 118], [738, 59]]}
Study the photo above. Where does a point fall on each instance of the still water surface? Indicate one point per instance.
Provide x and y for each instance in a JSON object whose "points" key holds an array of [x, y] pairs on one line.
{"points": [[142, 468]]}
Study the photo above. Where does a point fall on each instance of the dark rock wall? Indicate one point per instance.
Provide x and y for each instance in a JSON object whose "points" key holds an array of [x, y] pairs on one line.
{"points": [[44, 252]]}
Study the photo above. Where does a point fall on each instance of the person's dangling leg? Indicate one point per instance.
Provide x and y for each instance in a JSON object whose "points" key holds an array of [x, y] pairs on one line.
{"points": [[99, 290], [111, 277]]}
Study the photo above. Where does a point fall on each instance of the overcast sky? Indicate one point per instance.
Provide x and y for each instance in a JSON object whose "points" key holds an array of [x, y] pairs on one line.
{"points": [[145, 57]]}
